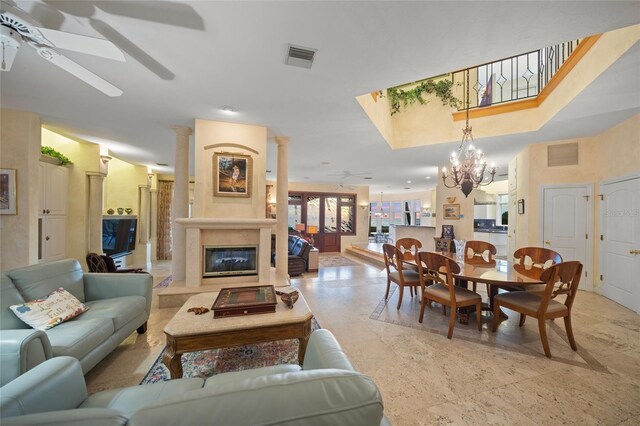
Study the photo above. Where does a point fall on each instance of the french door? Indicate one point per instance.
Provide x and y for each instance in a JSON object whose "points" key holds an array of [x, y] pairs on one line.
{"points": [[326, 218]]}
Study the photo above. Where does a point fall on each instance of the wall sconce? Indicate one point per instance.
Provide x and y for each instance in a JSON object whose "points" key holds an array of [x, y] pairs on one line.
{"points": [[364, 206], [105, 158]]}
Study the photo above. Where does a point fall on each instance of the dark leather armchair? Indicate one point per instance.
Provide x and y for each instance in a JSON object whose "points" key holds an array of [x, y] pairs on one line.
{"points": [[103, 263], [298, 255]]}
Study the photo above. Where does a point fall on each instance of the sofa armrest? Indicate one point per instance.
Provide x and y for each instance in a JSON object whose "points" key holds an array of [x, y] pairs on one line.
{"points": [[56, 384], [20, 351], [107, 286], [324, 351], [79, 417]]}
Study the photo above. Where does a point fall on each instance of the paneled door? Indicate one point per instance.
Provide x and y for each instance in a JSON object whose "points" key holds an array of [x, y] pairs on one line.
{"points": [[620, 246], [329, 231], [565, 225]]}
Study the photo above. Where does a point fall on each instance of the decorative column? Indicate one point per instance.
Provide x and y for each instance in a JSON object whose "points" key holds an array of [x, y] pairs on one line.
{"points": [[96, 195], [282, 200], [143, 230], [153, 225], [180, 203]]}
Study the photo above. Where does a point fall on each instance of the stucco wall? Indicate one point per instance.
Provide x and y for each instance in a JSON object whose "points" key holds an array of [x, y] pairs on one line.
{"points": [[20, 150], [216, 132]]}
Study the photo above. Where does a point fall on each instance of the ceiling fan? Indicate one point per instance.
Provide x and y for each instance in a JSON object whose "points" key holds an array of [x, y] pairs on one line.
{"points": [[17, 27], [347, 174]]}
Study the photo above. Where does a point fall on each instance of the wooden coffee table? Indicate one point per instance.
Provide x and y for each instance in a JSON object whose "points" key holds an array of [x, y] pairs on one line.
{"points": [[187, 332]]}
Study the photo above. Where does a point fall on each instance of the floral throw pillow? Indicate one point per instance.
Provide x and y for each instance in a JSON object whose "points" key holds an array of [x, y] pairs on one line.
{"points": [[56, 308]]}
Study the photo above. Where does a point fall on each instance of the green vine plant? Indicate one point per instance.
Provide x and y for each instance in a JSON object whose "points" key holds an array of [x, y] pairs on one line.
{"points": [[442, 89], [47, 150]]}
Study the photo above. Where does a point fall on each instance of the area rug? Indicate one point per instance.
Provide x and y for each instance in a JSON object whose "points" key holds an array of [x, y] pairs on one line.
{"points": [[165, 283], [328, 261], [211, 362]]}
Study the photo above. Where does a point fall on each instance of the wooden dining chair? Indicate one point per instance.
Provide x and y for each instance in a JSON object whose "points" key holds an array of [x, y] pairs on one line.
{"points": [[398, 273], [479, 253], [561, 278], [439, 269], [409, 247], [532, 261]]}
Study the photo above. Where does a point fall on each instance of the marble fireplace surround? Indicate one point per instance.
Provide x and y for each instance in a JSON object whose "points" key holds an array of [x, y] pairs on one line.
{"points": [[214, 231]]}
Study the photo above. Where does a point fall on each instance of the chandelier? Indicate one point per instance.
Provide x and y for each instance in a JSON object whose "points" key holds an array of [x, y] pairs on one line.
{"points": [[468, 164]]}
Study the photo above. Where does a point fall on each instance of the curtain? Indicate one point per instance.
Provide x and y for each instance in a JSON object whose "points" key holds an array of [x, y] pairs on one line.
{"points": [[165, 196]]}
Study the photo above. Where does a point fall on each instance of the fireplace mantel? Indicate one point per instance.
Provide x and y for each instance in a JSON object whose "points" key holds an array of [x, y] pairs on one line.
{"points": [[216, 223], [202, 231]]}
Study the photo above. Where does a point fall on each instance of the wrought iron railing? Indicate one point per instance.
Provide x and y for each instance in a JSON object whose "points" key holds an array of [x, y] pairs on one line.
{"points": [[511, 79]]}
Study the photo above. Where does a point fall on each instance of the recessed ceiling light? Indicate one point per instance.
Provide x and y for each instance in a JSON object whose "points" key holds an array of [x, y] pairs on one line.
{"points": [[228, 110], [408, 181], [368, 177], [324, 163], [428, 177], [162, 164], [407, 188]]}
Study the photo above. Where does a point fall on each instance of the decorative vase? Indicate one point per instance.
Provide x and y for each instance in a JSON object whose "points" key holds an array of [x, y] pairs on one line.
{"points": [[128, 210], [120, 210], [110, 211]]}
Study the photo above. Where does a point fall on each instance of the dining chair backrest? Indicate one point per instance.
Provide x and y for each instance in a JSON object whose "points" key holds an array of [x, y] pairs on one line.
{"points": [[392, 257], [479, 252], [437, 268], [409, 247], [561, 278], [537, 257]]}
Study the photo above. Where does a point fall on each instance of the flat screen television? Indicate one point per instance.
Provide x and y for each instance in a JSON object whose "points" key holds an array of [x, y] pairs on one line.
{"points": [[119, 235]]}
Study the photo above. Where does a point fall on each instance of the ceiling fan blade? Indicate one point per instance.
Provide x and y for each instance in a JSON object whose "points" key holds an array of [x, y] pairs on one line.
{"points": [[83, 44], [79, 71]]}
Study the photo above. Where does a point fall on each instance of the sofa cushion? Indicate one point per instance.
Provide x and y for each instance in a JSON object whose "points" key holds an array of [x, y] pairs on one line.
{"points": [[55, 308], [120, 310], [36, 281], [79, 336], [225, 379], [131, 399], [9, 295]]}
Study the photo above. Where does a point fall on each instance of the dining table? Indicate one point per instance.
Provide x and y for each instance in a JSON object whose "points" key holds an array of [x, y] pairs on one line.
{"points": [[496, 273]]}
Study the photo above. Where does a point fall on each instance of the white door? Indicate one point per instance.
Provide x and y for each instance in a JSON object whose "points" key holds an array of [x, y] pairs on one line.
{"points": [[565, 227], [54, 238], [620, 246]]}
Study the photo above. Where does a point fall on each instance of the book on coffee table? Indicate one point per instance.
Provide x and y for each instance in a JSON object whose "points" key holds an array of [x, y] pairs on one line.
{"points": [[237, 301]]}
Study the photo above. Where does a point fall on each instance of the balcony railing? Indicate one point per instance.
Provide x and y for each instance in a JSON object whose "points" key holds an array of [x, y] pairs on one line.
{"points": [[511, 79]]}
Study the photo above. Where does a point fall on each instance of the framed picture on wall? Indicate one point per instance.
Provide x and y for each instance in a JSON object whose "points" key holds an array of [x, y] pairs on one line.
{"points": [[8, 191], [232, 175], [451, 211]]}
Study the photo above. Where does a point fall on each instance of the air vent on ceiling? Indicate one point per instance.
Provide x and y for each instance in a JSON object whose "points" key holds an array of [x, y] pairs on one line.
{"points": [[299, 56], [565, 154]]}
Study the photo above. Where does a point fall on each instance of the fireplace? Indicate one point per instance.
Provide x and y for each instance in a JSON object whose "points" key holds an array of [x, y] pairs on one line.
{"points": [[229, 261]]}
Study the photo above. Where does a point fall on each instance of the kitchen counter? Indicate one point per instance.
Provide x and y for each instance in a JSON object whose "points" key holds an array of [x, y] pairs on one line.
{"points": [[490, 231], [424, 234]]}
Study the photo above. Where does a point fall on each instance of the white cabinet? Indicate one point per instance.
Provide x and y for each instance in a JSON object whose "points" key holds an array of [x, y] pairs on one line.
{"points": [[52, 214]]}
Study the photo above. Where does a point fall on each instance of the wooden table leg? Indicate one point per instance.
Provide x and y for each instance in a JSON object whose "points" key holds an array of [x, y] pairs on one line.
{"points": [[303, 341], [172, 360]]}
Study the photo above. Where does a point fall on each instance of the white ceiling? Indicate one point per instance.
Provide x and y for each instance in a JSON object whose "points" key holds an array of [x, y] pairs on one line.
{"points": [[185, 60]]}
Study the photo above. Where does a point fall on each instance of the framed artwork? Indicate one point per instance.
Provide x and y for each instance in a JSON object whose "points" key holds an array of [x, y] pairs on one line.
{"points": [[447, 231], [232, 175], [521, 206], [451, 211], [8, 191]]}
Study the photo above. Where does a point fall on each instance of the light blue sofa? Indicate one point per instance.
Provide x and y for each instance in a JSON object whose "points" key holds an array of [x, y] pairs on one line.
{"points": [[118, 305], [325, 391]]}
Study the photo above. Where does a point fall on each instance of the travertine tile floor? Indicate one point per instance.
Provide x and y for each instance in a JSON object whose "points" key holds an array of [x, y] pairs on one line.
{"points": [[475, 378]]}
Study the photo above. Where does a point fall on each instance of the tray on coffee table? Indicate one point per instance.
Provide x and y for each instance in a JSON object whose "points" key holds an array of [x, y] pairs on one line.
{"points": [[237, 301]]}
